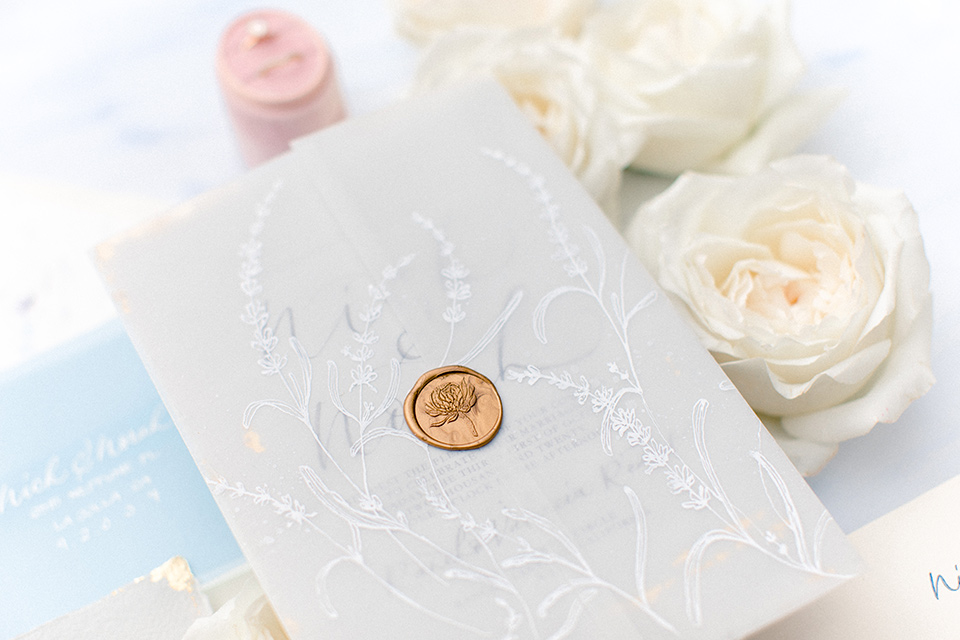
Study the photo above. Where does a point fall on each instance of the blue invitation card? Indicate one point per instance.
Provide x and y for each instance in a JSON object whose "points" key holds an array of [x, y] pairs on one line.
{"points": [[96, 485]]}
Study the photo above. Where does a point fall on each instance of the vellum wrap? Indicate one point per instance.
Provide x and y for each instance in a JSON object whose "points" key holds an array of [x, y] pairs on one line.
{"points": [[630, 491]]}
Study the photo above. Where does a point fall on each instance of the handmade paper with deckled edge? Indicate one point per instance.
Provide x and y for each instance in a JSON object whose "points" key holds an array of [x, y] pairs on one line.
{"points": [[630, 490], [159, 606]]}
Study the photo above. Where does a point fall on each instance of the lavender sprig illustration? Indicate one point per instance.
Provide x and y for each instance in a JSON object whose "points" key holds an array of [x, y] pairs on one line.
{"points": [[362, 510], [703, 490]]}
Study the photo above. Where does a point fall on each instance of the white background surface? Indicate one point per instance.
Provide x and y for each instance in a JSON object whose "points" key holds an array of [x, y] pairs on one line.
{"points": [[120, 96]]}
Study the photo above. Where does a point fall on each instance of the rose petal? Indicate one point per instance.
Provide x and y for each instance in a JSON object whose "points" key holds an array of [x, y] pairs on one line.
{"points": [[766, 393], [550, 80], [905, 376], [424, 20], [246, 616], [847, 342], [703, 79], [780, 131], [674, 143]]}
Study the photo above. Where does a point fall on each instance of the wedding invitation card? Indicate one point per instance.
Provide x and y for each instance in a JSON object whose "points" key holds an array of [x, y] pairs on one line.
{"points": [[435, 395], [96, 485], [909, 586]]}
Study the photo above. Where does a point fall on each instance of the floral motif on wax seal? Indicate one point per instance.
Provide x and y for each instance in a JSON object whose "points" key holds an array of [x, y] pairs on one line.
{"points": [[451, 402], [453, 408], [809, 288], [710, 82]]}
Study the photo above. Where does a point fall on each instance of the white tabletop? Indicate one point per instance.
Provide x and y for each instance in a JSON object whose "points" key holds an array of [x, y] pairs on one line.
{"points": [[121, 98]]}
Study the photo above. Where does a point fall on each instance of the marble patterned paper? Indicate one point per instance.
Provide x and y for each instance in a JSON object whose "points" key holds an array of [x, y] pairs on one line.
{"points": [[630, 491]]}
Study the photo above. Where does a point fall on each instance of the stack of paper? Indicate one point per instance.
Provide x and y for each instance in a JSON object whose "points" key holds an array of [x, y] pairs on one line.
{"points": [[96, 486], [629, 492]]}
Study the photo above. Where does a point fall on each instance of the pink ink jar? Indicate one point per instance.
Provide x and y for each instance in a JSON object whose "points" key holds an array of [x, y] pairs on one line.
{"points": [[278, 81]]}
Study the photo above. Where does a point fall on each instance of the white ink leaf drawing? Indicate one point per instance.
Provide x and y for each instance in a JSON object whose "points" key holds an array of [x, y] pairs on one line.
{"points": [[701, 491], [365, 405], [512, 545]]}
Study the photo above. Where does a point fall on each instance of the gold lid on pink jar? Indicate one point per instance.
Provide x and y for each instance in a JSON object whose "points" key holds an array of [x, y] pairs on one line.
{"points": [[277, 79]]}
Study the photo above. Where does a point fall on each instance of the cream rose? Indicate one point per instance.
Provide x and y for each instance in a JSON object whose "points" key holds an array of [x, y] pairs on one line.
{"points": [[550, 81], [424, 20], [246, 616], [810, 289], [710, 81]]}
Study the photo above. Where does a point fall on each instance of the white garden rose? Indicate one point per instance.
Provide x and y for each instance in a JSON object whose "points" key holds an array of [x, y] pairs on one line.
{"points": [[810, 289], [246, 616], [424, 20], [548, 78], [710, 81]]}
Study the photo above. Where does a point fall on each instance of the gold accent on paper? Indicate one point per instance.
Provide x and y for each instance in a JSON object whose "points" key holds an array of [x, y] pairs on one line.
{"points": [[176, 572], [251, 440]]}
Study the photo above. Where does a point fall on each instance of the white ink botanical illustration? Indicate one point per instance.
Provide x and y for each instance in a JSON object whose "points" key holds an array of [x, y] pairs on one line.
{"points": [[510, 543], [701, 490], [364, 512]]}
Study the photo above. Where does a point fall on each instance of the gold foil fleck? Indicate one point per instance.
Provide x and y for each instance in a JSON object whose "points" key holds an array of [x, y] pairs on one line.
{"points": [[251, 440], [176, 572]]}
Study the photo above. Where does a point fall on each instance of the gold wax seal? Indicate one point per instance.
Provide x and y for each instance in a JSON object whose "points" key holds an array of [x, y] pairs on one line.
{"points": [[453, 408]]}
